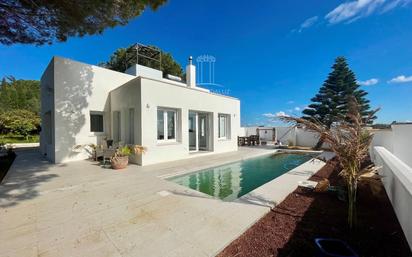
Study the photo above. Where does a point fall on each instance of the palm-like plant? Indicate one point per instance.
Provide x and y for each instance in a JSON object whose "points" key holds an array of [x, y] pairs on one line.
{"points": [[128, 150], [350, 142]]}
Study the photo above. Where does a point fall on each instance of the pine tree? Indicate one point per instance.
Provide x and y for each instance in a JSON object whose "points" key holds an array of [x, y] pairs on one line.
{"points": [[330, 104]]}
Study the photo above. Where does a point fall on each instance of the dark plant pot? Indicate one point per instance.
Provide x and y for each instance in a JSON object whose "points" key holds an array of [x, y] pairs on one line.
{"points": [[328, 247], [119, 162]]}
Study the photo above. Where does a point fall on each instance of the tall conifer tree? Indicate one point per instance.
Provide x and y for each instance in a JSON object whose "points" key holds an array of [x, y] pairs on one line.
{"points": [[330, 104]]}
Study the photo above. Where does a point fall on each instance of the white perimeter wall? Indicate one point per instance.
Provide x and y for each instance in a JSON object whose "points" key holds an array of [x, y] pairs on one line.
{"points": [[286, 135], [78, 89], [156, 93], [391, 149], [397, 180], [398, 141]]}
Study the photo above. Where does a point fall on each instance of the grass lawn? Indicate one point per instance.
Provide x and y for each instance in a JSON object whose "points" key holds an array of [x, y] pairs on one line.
{"points": [[13, 139]]}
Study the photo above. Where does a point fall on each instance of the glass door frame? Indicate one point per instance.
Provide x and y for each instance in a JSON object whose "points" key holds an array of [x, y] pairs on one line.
{"points": [[206, 116], [196, 116]]}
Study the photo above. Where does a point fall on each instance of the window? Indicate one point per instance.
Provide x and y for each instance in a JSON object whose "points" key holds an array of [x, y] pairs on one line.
{"points": [[224, 126], [96, 122], [166, 125]]}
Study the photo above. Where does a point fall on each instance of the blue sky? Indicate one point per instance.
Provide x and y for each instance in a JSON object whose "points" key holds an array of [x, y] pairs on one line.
{"points": [[273, 55]]}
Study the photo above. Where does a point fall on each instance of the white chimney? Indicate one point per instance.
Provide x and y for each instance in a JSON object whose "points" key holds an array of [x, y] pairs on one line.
{"points": [[191, 74]]}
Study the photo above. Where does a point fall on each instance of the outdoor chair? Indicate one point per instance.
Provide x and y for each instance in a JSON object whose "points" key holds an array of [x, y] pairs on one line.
{"points": [[254, 140], [98, 152], [107, 155]]}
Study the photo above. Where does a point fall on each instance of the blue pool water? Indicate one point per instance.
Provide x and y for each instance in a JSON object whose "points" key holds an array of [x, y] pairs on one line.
{"points": [[233, 180]]}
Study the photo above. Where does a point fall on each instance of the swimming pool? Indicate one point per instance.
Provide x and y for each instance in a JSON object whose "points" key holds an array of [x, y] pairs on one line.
{"points": [[231, 181]]}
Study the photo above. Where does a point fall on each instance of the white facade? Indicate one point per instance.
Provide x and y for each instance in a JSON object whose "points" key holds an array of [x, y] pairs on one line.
{"points": [[172, 120]]}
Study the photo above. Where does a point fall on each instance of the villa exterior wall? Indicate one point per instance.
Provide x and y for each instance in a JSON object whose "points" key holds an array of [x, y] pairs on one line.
{"points": [[71, 91], [47, 137], [156, 93], [123, 99], [78, 89]]}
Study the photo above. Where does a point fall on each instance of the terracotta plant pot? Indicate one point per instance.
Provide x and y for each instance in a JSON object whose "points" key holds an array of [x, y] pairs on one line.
{"points": [[119, 162]]}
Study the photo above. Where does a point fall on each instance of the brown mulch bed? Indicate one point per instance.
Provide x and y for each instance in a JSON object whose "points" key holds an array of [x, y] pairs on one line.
{"points": [[290, 228]]}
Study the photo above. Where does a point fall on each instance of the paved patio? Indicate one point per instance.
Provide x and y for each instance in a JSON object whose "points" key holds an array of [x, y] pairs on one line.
{"points": [[81, 209]]}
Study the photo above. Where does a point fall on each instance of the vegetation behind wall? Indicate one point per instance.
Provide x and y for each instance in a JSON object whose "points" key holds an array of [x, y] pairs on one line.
{"points": [[19, 110]]}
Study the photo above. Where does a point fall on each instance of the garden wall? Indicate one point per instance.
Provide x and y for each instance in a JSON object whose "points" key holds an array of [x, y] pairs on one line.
{"points": [[287, 135], [397, 180], [397, 140]]}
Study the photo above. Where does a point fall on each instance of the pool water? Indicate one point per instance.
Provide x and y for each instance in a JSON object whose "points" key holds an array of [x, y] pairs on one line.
{"points": [[233, 180]]}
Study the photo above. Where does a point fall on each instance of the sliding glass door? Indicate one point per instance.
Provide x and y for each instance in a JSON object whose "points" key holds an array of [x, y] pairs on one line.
{"points": [[198, 131]]}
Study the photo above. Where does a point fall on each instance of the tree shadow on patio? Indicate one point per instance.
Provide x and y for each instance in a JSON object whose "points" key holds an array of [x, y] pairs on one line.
{"points": [[73, 87], [25, 175]]}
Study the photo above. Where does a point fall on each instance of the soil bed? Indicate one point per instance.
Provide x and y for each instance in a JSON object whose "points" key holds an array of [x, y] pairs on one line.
{"points": [[291, 227]]}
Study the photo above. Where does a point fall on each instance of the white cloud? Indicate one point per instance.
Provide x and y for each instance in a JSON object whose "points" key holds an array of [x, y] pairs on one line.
{"points": [[393, 4], [290, 102], [356, 9], [369, 82], [278, 114], [269, 115], [401, 79], [274, 115], [297, 108], [308, 23]]}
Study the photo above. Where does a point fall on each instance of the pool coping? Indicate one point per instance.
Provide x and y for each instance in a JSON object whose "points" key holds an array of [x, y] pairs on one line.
{"points": [[269, 194], [275, 191], [208, 166], [263, 194]]}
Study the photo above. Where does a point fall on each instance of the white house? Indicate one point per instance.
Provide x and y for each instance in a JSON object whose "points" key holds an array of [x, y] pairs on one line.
{"points": [[83, 104]]}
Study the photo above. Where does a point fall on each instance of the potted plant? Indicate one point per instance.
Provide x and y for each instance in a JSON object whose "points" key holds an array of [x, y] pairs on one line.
{"points": [[120, 159], [90, 149]]}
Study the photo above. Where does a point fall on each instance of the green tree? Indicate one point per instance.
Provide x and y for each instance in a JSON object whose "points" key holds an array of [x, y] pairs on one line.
{"points": [[331, 103], [350, 142], [19, 122], [123, 58], [19, 94], [47, 21]]}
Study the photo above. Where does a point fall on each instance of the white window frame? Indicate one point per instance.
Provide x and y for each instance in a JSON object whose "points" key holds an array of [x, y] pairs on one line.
{"points": [[165, 129], [227, 126]]}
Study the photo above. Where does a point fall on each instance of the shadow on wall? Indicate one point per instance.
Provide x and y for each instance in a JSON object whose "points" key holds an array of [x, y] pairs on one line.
{"points": [[74, 87], [24, 177]]}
